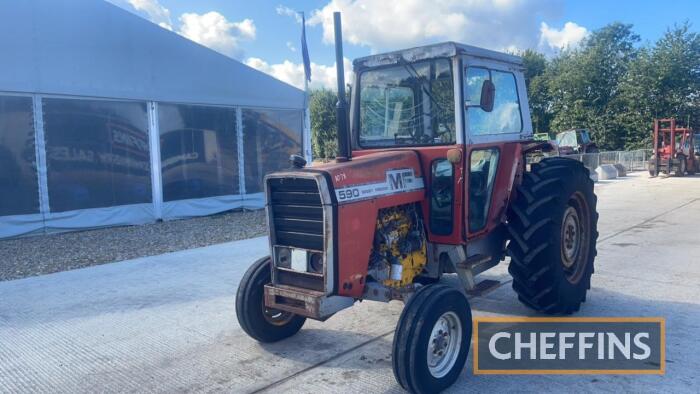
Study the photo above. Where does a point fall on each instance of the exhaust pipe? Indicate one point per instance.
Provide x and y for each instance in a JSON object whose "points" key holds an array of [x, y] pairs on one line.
{"points": [[341, 108]]}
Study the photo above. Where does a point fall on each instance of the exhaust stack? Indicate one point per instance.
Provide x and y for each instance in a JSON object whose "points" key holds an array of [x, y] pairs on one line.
{"points": [[341, 111]]}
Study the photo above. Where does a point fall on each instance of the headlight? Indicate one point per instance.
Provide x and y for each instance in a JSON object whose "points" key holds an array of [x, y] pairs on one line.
{"points": [[316, 263], [284, 257]]}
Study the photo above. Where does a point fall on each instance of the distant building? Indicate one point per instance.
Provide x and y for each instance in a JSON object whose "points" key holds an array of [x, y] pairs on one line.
{"points": [[108, 119]]}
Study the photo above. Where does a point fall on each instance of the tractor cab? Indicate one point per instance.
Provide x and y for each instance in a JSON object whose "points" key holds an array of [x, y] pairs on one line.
{"points": [[438, 95], [675, 149], [575, 141]]}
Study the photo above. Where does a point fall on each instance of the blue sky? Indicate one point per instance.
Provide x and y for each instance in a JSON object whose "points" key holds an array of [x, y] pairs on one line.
{"points": [[265, 34]]}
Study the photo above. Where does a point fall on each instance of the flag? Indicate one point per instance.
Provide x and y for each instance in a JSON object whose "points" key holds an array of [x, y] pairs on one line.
{"points": [[305, 49]]}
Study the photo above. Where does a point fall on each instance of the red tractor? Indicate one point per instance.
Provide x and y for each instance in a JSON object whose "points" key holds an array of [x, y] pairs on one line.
{"points": [[430, 181], [674, 149]]}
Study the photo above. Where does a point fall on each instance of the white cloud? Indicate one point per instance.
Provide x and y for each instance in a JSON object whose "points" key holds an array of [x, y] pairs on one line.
{"points": [[155, 11], [291, 46], [322, 76], [286, 11], [216, 32], [567, 37], [394, 24], [211, 29]]}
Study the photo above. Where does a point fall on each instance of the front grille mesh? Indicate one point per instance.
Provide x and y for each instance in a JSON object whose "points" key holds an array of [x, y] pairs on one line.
{"points": [[297, 212]]}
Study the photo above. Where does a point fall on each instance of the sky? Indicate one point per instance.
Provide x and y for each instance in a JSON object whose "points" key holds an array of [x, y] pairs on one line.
{"points": [[266, 34]]}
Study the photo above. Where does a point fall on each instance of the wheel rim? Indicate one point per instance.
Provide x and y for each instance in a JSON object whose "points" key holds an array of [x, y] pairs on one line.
{"points": [[444, 345], [575, 233], [275, 316]]}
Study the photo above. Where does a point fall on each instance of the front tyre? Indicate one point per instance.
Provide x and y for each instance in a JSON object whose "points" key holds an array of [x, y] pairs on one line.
{"points": [[553, 228], [258, 321], [432, 339]]}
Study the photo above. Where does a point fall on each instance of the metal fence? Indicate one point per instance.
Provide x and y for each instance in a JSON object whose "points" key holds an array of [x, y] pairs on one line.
{"points": [[635, 160]]}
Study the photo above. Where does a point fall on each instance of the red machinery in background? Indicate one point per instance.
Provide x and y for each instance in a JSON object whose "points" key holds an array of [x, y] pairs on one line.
{"points": [[674, 149]]}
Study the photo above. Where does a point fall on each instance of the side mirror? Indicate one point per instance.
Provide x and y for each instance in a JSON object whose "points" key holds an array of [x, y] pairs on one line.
{"points": [[488, 95], [297, 161]]}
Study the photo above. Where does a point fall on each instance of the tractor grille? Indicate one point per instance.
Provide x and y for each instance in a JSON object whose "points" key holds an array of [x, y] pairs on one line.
{"points": [[296, 212]]}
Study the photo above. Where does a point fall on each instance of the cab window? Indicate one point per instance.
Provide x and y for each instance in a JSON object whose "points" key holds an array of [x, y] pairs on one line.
{"points": [[409, 104], [505, 117]]}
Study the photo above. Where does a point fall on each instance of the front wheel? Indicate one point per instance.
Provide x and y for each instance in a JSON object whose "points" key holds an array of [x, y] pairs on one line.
{"points": [[553, 227], [432, 339], [258, 321]]}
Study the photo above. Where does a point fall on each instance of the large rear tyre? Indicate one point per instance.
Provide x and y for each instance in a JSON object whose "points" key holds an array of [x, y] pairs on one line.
{"points": [[553, 228], [258, 321], [432, 339]]}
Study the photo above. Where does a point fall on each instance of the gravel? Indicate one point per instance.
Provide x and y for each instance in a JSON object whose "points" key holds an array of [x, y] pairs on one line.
{"points": [[45, 254]]}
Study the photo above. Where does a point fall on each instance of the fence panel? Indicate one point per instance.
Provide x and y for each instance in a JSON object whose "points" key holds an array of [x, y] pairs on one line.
{"points": [[635, 160]]}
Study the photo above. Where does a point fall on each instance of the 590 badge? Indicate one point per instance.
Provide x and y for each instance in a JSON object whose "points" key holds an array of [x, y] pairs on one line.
{"points": [[396, 181]]}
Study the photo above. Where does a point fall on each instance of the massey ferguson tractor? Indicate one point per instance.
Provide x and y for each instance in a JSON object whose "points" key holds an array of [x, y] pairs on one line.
{"points": [[430, 180], [674, 149]]}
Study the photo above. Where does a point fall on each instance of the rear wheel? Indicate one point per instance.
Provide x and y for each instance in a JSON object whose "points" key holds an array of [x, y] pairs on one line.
{"points": [[432, 339], [258, 321], [553, 227]]}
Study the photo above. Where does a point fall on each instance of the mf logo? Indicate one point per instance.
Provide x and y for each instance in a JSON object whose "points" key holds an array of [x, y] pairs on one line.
{"points": [[399, 179]]}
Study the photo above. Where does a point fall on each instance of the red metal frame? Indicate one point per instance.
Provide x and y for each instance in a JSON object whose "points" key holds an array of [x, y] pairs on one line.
{"points": [[665, 132]]}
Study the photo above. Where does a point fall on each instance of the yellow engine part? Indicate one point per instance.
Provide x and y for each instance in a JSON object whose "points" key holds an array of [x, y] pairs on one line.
{"points": [[413, 262]]}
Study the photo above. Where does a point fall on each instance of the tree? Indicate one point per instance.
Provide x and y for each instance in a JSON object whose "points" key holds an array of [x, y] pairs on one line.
{"points": [[664, 81], [535, 65], [584, 83], [323, 123]]}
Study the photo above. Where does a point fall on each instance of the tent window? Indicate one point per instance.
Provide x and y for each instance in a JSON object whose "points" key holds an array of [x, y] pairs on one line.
{"points": [[18, 179], [97, 153], [270, 137], [198, 151]]}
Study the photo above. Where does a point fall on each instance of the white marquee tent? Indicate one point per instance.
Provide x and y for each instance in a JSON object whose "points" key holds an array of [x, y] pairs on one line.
{"points": [[107, 119]]}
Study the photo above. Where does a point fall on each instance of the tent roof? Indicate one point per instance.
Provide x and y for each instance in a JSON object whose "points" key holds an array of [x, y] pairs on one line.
{"points": [[94, 48]]}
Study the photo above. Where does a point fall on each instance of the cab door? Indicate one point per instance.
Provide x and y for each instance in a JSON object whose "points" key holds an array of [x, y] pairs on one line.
{"points": [[493, 143]]}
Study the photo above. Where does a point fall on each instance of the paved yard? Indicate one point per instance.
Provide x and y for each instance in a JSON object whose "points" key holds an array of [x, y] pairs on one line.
{"points": [[166, 323]]}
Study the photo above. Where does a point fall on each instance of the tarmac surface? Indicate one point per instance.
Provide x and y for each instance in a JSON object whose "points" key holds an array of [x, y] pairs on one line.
{"points": [[167, 323]]}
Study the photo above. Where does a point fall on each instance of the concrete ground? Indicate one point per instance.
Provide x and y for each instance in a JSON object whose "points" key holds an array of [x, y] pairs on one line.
{"points": [[167, 323]]}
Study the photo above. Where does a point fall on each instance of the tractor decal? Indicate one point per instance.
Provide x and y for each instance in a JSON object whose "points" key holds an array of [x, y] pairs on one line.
{"points": [[397, 181]]}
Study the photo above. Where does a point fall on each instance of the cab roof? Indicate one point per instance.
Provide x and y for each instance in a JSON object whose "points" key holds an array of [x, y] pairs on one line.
{"points": [[445, 49]]}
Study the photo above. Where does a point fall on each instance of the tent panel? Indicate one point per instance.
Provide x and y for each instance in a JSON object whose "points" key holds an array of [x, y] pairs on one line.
{"points": [[97, 153], [182, 209], [270, 137], [199, 151], [80, 219], [19, 193]]}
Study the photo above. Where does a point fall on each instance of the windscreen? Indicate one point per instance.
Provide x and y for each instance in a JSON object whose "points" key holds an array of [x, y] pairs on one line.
{"points": [[585, 137], [408, 104]]}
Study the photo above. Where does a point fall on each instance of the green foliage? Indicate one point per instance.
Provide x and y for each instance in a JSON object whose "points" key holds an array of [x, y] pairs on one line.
{"points": [[324, 131], [536, 81], [615, 87]]}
